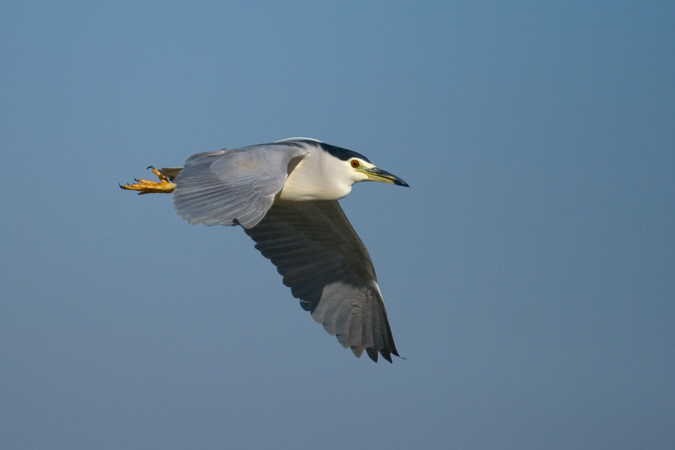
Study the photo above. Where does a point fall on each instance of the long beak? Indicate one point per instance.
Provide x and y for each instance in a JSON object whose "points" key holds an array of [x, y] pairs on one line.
{"points": [[376, 174]]}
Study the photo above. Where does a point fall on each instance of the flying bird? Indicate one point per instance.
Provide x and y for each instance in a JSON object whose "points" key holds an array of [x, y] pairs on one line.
{"points": [[284, 195]]}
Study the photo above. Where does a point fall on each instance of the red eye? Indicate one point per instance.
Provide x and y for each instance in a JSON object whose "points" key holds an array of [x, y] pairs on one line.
{"points": [[355, 164]]}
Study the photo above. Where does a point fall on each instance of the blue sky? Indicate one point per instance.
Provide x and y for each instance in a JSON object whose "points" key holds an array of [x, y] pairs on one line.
{"points": [[528, 271]]}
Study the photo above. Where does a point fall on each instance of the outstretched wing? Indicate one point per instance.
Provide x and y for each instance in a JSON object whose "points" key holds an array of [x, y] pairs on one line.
{"points": [[230, 187], [327, 267]]}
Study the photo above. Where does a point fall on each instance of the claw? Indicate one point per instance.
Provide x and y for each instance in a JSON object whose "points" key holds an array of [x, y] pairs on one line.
{"points": [[151, 187]]}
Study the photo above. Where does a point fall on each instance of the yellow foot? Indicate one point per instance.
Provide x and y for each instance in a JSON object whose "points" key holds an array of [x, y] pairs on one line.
{"points": [[164, 186]]}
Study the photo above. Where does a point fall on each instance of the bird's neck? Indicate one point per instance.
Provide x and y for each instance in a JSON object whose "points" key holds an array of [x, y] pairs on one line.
{"points": [[312, 179]]}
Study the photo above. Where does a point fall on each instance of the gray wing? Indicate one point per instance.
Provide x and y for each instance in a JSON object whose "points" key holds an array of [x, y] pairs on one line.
{"points": [[328, 268], [230, 187]]}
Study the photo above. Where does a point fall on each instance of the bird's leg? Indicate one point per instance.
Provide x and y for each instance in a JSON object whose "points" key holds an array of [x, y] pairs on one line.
{"points": [[164, 186]]}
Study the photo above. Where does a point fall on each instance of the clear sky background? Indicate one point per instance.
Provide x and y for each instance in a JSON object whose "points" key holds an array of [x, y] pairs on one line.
{"points": [[529, 271]]}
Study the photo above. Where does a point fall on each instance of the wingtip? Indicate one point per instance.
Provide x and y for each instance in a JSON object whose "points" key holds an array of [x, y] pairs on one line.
{"points": [[374, 354], [386, 354]]}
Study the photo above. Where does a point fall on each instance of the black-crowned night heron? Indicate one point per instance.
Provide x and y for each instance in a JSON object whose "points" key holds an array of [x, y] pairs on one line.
{"points": [[285, 196]]}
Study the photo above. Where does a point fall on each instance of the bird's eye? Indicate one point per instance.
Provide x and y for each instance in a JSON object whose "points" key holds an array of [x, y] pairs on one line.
{"points": [[355, 163]]}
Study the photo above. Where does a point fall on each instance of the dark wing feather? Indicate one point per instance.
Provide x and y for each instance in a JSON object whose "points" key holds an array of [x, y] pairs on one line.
{"points": [[327, 267]]}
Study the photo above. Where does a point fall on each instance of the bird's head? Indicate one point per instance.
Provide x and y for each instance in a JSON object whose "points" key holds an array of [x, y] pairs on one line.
{"points": [[361, 169], [353, 166], [327, 172]]}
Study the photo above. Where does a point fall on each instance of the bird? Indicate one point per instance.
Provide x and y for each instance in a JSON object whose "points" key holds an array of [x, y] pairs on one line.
{"points": [[285, 196]]}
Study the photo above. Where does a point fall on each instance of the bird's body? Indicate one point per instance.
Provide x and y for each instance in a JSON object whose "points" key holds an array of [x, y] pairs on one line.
{"points": [[285, 196]]}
